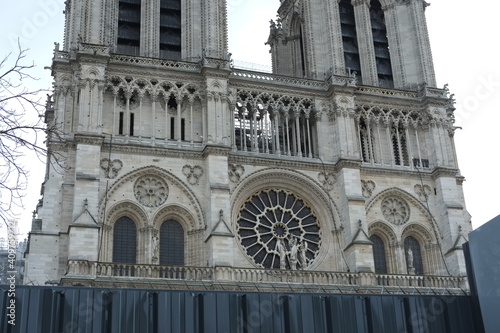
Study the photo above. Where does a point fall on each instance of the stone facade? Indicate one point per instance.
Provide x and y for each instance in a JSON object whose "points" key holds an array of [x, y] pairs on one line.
{"points": [[290, 171]]}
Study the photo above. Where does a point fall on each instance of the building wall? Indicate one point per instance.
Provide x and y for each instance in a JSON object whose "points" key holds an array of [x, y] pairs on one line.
{"points": [[224, 152]]}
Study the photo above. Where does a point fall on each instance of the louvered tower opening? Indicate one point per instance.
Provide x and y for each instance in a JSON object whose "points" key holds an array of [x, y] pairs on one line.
{"points": [[170, 29], [381, 45], [349, 38], [129, 27]]}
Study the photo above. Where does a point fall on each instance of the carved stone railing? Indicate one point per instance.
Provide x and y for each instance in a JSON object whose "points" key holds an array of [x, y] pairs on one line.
{"points": [[84, 270], [131, 60], [287, 80]]}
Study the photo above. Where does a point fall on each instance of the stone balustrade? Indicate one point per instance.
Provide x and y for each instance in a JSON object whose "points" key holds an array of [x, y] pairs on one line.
{"points": [[81, 269]]}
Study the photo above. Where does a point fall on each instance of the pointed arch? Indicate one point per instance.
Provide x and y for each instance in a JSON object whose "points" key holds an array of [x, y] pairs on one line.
{"points": [[397, 192], [386, 234], [196, 212]]}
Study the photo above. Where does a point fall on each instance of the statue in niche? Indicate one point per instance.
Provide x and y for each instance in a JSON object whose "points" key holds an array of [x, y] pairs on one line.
{"points": [[410, 257], [409, 261], [156, 248]]}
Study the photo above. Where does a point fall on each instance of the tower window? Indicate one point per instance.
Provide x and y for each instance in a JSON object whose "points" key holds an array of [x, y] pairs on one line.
{"points": [[349, 37], [124, 241], [171, 244], [379, 255], [170, 29], [129, 27], [381, 45]]}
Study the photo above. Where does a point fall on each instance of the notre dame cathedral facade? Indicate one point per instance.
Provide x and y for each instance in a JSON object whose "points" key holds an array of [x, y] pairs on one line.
{"points": [[171, 166]]}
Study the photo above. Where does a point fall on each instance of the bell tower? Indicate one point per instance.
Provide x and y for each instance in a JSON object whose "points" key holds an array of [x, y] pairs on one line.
{"points": [[164, 29], [384, 42]]}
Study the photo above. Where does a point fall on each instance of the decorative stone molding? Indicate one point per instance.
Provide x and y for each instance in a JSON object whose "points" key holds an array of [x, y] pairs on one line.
{"points": [[151, 191], [193, 173], [423, 191], [367, 187], [235, 172], [395, 210], [111, 167], [327, 179]]}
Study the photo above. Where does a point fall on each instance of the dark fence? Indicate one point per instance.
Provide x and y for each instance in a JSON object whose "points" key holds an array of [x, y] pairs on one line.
{"points": [[94, 310]]}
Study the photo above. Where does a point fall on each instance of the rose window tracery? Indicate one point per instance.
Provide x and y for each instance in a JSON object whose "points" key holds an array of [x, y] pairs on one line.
{"points": [[151, 191], [279, 230], [395, 210]]}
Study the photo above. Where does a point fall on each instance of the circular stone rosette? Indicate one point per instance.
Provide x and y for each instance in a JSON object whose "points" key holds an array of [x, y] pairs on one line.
{"points": [[151, 191], [278, 230], [395, 210]]}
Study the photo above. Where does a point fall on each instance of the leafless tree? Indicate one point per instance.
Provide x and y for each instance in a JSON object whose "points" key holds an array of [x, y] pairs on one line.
{"points": [[22, 129]]}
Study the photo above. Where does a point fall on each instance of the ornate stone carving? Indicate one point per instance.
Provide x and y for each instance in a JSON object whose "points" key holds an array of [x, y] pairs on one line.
{"points": [[367, 186], [327, 179], [111, 168], [151, 191], [278, 230], [423, 192], [235, 172], [395, 210], [193, 173]]}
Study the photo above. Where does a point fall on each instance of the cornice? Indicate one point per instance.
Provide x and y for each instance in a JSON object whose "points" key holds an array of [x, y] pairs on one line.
{"points": [[88, 138], [393, 172], [289, 162], [155, 151], [439, 172], [215, 150], [347, 164]]}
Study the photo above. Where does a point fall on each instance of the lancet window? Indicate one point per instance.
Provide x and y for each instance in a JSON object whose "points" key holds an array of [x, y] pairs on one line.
{"points": [[129, 27], [124, 241], [381, 45], [171, 244], [349, 38], [170, 29], [273, 124], [379, 257]]}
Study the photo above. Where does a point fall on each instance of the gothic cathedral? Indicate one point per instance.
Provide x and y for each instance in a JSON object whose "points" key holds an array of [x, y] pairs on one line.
{"points": [[171, 166]]}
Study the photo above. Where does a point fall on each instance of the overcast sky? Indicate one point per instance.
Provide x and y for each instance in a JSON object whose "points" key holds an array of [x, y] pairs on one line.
{"points": [[466, 56]]}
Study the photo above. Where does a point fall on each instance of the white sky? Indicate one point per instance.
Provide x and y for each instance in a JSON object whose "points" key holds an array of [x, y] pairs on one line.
{"points": [[466, 56]]}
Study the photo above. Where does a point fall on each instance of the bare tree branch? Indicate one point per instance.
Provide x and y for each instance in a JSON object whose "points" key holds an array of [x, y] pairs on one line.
{"points": [[22, 130]]}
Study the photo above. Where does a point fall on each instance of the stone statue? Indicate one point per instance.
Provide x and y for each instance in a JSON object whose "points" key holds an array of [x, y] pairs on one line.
{"points": [[302, 254], [156, 248], [282, 253], [410, 258], [293, 253]]}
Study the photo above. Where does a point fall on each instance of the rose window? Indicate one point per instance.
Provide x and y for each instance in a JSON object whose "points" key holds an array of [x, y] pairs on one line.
{"points": [[151, 191], [278, 230], [395, 210]]}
